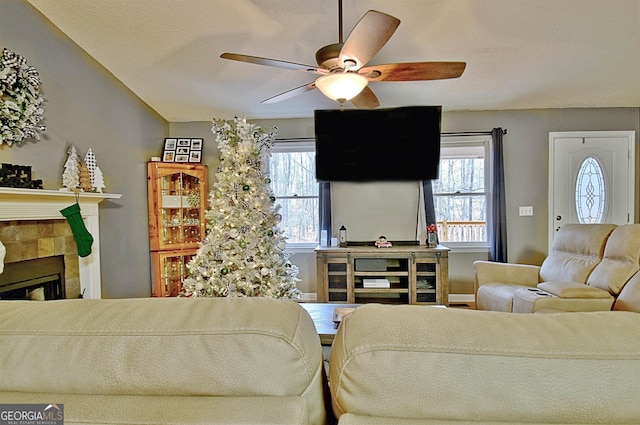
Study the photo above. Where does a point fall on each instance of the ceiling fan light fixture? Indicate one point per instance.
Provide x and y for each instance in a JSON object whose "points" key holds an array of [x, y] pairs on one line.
{"points": [[341, 86]]}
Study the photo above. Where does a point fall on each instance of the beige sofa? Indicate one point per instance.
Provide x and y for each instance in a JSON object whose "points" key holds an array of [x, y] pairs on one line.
{"points": [[164, 361], [410, 365], [587, 268]]}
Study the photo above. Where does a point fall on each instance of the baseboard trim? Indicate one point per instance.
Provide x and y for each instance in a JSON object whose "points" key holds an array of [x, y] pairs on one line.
{"points": [[461, 298], [453, 298], [309, 297]]}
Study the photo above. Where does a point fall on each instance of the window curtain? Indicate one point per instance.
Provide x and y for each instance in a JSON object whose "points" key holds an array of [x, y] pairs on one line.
{"points": [[325, 209], [429, 208], [497, 220], [426, 210]]}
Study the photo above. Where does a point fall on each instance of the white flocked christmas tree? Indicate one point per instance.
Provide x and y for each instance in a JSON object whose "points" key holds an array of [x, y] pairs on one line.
{"points": [[244, 252]]}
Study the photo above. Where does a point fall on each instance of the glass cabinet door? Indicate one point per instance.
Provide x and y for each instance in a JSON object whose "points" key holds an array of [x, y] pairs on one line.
{"points": [[170, 268], [177, 201], [180, 209]]}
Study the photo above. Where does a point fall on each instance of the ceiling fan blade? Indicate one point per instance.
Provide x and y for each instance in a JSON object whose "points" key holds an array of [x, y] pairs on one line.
{"points": [[366, 99], [368, 36], [290, 93], [413, 71], [271, 62]]}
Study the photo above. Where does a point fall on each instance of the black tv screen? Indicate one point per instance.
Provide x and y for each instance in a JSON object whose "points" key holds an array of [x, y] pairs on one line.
{"points": [[393, 144]]}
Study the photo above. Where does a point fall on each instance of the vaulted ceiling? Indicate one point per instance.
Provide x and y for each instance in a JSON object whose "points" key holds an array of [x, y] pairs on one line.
{"points": [[520, 54]]}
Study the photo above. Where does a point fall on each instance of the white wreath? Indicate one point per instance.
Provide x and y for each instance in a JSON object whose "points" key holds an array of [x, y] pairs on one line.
{"points": [[20, 99]]}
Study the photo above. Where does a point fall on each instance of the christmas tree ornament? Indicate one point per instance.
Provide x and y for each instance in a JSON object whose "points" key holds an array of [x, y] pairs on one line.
{"points": [[246, 187], [83, 238]]}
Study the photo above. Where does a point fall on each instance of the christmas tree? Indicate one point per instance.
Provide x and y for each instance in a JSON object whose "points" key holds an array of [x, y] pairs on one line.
{"points": [[243, 253]]}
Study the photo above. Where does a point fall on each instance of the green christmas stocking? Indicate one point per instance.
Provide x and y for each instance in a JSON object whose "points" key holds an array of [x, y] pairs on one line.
{"points": [[80, 234]]}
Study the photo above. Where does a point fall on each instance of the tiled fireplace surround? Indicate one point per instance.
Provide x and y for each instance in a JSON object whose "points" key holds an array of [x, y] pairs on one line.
{"points": [[29, 239], [31, 226]]}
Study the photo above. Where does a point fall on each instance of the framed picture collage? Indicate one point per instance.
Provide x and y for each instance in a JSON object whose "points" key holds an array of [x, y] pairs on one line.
{"points": [[182, 150]]}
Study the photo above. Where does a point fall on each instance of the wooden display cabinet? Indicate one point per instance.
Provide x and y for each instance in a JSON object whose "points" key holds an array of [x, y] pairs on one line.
{"points": [[177, 198], [415, 275]]}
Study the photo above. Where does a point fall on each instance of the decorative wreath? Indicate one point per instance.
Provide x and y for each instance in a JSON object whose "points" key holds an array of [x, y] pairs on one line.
{"points": [[20, 99]]}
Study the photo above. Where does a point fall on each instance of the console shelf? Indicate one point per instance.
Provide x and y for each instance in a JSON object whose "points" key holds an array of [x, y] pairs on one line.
{"points": [[416, 274]]}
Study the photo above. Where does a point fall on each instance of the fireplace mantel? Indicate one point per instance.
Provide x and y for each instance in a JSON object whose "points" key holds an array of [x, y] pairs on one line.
{"points": [[35, 204]]}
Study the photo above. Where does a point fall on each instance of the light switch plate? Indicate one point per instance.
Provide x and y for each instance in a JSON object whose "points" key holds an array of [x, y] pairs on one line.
{"points": [[526, 211]]}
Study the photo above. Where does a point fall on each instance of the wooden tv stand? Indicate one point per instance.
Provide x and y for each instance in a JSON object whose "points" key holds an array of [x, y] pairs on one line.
{"points": [[416, 274]]}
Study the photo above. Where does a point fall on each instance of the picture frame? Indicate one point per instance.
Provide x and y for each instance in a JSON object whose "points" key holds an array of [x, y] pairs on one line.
{"points": [[168, 156], [182, 149], [196, 144]]}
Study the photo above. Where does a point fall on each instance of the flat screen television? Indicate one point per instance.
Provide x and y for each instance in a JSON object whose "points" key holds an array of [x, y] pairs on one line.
{"points": [[393, 144]]}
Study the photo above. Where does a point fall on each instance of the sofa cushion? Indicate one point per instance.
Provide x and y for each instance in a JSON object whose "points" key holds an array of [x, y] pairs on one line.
{"points": [[496, 296], [157, 347], [620, 261], [577, 249], [573, 290], [629, 298], [534, 300], [83, 409]]}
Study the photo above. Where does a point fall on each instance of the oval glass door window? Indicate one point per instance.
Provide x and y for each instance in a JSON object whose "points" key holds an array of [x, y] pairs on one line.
{"points": [[591, 192]]}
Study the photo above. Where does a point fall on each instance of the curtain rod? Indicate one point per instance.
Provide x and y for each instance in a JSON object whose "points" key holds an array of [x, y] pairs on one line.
{"points": [[455, 133], [467, 133]]}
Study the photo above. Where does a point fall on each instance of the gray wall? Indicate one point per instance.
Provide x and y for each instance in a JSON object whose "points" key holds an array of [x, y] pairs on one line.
{"points": [[526, 156], [89, 108]]}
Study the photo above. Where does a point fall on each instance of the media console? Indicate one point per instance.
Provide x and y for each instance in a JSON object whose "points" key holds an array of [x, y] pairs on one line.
{"points": [[416, 274]]}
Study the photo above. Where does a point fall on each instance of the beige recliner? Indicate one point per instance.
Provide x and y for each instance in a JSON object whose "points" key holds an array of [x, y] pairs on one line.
{"points": [[587, 268]]}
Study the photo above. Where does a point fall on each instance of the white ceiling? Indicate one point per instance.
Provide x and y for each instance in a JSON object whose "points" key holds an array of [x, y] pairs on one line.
{"points": [[520, 54]]}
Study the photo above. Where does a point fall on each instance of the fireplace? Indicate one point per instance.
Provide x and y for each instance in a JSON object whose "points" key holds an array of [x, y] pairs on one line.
{"points": [[32, 227], [38, 279]]}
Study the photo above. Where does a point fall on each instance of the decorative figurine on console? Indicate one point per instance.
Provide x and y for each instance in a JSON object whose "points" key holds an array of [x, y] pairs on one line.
{"points": [[382, 242], [432, 235]]}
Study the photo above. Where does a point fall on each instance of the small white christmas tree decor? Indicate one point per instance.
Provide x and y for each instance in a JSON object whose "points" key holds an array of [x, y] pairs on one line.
{"points": [[90, 162], [98, 180], [71, 174], [243, 254]]}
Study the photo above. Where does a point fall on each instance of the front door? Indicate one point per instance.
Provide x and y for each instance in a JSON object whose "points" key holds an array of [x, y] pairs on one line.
{"points": [[591, 178]]}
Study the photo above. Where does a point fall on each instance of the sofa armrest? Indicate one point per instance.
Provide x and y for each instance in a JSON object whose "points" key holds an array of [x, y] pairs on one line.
{"points": [[517, 274]]}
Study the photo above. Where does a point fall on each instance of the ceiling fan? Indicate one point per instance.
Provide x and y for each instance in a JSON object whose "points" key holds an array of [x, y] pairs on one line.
{"points": [[341, 66]]}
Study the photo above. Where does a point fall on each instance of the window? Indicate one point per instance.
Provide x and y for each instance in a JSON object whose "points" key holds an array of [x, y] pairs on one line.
{"points": [[293, 181], [591, 192], [460, 193]]}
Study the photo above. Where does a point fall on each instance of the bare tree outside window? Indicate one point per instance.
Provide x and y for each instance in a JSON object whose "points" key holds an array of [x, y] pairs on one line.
{"points": [[459, 194], [292, 173]]}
